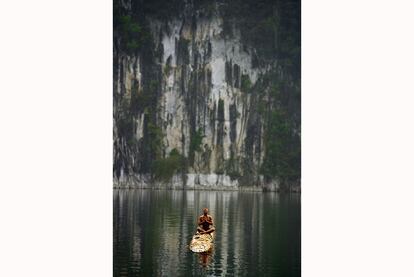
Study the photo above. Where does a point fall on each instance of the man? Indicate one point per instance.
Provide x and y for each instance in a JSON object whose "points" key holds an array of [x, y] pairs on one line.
{"points": [[205, 223]]}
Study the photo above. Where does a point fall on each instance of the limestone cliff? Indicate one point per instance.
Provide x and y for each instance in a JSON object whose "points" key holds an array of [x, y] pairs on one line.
{"points": [[206, 93]]}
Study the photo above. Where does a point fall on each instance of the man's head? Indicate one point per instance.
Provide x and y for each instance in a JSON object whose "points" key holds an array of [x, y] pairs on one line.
{"points": [[205, 211]]}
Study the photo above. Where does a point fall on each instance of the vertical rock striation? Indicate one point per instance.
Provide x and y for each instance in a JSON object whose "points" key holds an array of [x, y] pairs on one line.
{"points": [[196, 102]]}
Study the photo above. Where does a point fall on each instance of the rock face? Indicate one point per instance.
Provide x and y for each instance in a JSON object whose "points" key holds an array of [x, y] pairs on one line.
{"points": [[195, 100]]}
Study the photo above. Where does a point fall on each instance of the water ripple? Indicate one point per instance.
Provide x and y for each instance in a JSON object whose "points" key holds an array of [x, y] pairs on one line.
{"points": [[257, 233]]}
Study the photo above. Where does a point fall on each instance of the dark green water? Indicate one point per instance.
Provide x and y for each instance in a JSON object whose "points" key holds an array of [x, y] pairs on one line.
{"points": [[258, 234]]}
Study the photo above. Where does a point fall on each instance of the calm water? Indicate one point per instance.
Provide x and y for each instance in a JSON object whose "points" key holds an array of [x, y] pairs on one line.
{"points": [[258, 234]]}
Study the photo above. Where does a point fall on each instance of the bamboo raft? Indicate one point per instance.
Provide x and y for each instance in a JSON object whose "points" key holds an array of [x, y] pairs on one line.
{"points": [[201, 242]]}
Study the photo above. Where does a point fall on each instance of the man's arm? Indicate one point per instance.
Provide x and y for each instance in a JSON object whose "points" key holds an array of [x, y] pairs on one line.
{"points": [[200, 220]]}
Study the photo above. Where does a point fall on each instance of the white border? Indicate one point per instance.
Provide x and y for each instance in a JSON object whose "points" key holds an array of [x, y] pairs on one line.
{"points": [[358, 138], [56, 138]]}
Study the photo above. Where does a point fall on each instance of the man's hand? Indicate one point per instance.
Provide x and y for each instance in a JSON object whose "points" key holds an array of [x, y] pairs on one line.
{"points": [[201, 220], [207, 219]]}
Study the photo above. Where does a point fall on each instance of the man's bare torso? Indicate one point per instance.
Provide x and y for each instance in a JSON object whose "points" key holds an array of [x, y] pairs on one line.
{"points": [[205, 221]]}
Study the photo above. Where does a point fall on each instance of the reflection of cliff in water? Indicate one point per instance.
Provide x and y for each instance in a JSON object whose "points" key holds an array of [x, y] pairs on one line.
{"points": [[257, 233]]}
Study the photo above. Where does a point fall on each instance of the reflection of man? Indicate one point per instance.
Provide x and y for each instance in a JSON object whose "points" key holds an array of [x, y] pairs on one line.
{"points": [[204, 258], [205, 223]]}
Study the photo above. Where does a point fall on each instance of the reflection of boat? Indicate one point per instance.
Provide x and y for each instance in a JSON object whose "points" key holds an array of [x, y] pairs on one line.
{"points": [[205, 257], [201, 242]]}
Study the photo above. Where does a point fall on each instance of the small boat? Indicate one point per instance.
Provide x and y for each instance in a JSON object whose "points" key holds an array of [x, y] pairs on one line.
{"points": [[202, 242]]}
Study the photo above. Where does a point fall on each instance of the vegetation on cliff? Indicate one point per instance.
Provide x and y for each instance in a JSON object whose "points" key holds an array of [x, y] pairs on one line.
{"points": [[270, 33], [164, 168]]}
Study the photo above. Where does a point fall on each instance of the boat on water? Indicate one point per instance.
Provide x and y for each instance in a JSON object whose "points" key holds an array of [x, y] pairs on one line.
{"points": [[201, 243]]}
